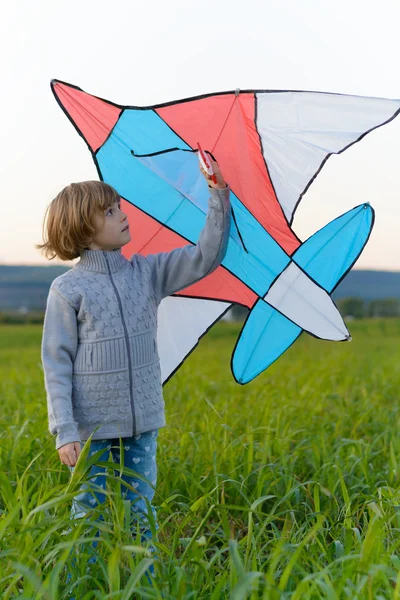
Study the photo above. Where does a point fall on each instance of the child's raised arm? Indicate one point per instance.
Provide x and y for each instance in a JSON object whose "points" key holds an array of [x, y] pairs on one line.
{"points": [[182, 267], [59, 346]]}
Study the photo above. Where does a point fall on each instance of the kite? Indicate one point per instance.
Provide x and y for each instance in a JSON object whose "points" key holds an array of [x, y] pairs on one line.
{"points": [[270, 146]]}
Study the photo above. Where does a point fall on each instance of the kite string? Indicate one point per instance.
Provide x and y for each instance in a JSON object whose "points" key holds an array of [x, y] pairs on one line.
{"points": [[223, 126]]}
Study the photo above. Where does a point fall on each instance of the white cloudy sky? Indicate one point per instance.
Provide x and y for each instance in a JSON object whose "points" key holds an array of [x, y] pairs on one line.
{"points": [[149, 52]]}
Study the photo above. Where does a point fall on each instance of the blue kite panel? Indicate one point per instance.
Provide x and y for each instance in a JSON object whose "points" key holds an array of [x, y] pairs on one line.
{"points": [[144, 132], [328, 254], [265, 336], [256, 261], [265, 259]]}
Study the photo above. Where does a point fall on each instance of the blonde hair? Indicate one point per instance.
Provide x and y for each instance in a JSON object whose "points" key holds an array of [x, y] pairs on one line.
{"points": [[71, 218]]}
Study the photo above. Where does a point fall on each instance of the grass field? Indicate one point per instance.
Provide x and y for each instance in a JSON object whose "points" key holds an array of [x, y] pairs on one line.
{"points": [[287, 487]]}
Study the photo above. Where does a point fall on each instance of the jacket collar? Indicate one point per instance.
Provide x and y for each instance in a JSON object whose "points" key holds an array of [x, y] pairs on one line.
{"points": [[100, 261]]}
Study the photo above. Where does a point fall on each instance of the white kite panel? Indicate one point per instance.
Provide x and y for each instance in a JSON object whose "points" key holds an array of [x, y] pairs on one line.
{"points": [[302, 301], [181, 322], [299, 130]]}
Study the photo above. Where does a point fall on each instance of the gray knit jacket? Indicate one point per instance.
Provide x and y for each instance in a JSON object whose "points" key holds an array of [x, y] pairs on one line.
{"points": [[99, 344]]}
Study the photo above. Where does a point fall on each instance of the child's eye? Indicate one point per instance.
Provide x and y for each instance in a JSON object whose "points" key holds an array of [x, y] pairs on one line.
{"points": [[110, 209]]}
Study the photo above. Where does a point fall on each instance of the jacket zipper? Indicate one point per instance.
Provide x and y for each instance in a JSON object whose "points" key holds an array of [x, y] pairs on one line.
{"points": [[127, 343]]}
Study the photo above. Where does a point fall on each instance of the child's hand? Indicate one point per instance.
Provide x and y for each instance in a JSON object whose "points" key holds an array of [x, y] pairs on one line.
{"points": [[69, 453], [220, 180]]}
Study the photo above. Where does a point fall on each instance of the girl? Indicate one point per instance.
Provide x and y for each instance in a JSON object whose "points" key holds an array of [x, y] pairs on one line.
{"points": [[99, 346]]}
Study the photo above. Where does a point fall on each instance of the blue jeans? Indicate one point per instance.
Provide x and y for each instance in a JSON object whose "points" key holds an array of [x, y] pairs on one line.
{"points": [[139, 456]]}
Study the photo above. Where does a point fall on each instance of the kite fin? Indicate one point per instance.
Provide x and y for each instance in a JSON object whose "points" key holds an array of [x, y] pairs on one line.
{"points": [[329, 254], [266, 335], [301, 294]]}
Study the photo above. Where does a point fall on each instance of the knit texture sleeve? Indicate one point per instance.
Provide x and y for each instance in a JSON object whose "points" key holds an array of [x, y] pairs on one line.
{"points": [[182, 267], [59, 346]]}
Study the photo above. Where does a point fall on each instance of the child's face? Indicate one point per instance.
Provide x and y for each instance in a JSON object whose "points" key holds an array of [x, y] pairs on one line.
{"points": [[109, 229]]}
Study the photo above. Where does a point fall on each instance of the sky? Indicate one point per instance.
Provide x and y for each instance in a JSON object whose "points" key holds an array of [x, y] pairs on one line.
{"points": [[142, 53]]}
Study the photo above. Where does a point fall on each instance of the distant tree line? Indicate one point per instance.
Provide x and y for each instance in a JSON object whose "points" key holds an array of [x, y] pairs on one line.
{"points": [[14, 317], [353, 307], [357, 308]]}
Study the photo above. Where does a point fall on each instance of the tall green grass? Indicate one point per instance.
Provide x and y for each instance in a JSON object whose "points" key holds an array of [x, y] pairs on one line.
{"points": [[287, 487]]}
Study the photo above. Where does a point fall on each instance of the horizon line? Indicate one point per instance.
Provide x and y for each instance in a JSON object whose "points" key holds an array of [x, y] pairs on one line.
{"points": [[378, 269]]}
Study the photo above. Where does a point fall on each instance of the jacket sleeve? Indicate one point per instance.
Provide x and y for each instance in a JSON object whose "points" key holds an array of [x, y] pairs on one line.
{"points": [[59, 346], [182, 267]]}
